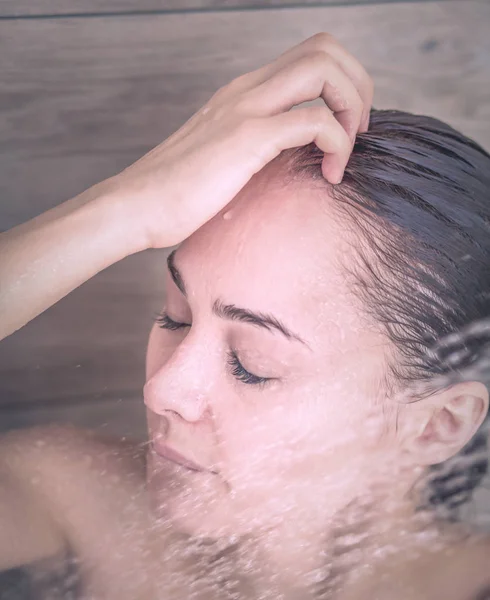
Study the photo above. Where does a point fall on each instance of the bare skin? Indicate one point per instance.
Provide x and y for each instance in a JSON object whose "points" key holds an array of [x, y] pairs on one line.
{"points": [[83, 513], [173, 190], [63, 489]]}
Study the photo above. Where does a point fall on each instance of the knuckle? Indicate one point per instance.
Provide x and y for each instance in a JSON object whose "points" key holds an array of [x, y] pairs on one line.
{"points": [[357, 103], [323, 38], [339, 140], [231, 90], [236, 82], [250, 136], [246, 126], [342, 145], [319, 59], [224, 94], [325, 41], [366, 82], [321, 118], [220, 93], [243, 105], [320, 114]]}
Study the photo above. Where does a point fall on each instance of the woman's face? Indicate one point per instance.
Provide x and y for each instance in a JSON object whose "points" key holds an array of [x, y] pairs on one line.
{"points": [[272, 385]]}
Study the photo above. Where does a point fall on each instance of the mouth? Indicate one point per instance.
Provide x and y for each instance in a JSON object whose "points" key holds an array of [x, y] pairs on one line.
{"points": [[164, 451]]}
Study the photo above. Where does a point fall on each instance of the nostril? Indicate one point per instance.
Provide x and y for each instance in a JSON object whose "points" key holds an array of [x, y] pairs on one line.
{"points": [[164, 426]]}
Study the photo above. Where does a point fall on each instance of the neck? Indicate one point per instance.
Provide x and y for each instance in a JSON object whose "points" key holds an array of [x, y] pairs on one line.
{"points": [[303, 555], [312, 564], [295, 560]]}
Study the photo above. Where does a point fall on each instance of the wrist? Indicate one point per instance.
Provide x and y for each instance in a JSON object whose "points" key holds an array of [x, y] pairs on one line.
{"points": [[118, 216]]}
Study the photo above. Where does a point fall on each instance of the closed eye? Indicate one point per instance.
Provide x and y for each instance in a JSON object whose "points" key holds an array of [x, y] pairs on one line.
{"points": [[239, 371], [165, 322]]}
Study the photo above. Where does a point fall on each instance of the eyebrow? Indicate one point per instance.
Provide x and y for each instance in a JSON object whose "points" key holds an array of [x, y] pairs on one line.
{"points": [[175, 273], [235, 313]]}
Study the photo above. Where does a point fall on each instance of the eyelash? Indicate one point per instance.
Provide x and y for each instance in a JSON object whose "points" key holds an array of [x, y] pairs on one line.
{"points": [[238, 371], [165, 322], [242, 374]]}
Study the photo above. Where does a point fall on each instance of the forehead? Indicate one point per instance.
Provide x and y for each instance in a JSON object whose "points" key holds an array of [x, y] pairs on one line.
{"points": [[275, 249]]}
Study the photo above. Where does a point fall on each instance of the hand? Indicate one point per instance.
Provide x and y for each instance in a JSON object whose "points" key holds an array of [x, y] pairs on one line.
{"points": [[185, 181]]}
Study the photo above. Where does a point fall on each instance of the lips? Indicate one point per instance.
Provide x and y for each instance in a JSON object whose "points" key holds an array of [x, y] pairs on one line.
{"points": [[165, 451]]}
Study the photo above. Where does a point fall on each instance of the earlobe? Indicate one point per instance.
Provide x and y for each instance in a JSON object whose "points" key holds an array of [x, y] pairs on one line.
{"points": [[453, 418]]}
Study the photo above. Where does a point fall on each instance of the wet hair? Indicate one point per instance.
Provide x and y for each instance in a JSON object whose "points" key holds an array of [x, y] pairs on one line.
{"points": [[416, 192]]}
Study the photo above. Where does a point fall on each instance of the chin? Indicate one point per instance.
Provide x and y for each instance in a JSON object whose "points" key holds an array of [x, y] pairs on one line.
{"points": [[195, 503]]}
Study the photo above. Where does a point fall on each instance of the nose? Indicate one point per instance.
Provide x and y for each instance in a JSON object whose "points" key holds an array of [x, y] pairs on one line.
{"points": [[182, 384]]}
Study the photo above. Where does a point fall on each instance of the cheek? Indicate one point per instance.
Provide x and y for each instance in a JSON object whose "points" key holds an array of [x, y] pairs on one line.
{"points": [[301, 433], [266, 439]]}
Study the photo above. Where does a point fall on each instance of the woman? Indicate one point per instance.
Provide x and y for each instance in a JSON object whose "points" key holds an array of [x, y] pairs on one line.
{"points": [[295, 393]]}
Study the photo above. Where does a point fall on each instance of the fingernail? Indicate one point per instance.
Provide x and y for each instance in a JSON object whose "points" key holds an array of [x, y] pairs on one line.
{"points": [[337, 176], [365, 121], [333, 169], [338, 179], [339, 172]]}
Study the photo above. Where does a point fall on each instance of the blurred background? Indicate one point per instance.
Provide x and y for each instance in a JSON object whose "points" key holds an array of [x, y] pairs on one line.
{"points": [[88, 86]]}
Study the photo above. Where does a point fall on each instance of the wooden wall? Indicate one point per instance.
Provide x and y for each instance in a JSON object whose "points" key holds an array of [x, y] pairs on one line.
{"points": [[53, 8], [88, 86]]}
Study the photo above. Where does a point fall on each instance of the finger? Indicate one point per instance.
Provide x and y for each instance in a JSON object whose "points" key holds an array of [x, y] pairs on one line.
{"points": [[308, 78], [264, 138], [359, 77], [323, 42], [319, 41]]}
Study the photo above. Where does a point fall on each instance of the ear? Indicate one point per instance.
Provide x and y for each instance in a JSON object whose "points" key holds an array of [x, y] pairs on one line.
{"points": [[446, 423]]}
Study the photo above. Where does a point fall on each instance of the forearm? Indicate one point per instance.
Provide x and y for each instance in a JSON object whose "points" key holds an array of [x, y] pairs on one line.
{"points": [[41, 261]]}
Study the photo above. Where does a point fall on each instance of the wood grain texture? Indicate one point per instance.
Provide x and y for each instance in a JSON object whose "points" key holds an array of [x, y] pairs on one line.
{"points": [[17, 8], [112, 416], [83, 98]]}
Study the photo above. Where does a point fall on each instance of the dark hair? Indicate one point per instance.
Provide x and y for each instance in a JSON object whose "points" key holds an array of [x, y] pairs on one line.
{"points": [[418, 193]]}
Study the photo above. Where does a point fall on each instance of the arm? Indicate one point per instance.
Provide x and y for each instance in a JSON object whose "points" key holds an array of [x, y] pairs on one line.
{"points": [[67, 488], [41, 261], [158, 202], [28, 533], [185, 181], [27, 530], [181, 184]]}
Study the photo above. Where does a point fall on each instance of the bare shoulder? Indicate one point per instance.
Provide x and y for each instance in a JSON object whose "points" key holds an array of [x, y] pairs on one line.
{"points": [[70, 445], [92, 493], [475, 558], [472, 550], [72, 467], [54, 489], [459, 570]]}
